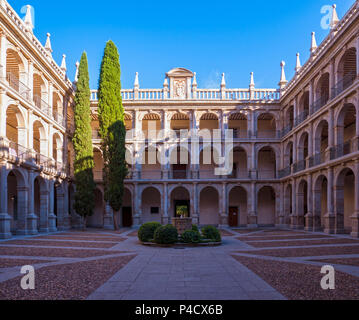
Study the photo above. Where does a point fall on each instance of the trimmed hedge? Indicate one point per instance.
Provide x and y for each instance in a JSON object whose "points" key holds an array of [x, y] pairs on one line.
{"points": [[166, 235], [195, 228], [211, 233], [191, 236], [147, 231]]}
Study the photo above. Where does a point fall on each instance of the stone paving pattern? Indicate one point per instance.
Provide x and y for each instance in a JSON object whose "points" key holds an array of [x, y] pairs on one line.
{"points": [[98, 265]]}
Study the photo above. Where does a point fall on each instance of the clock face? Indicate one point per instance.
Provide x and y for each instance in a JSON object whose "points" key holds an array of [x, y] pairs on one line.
{"points": [[180, 89]]}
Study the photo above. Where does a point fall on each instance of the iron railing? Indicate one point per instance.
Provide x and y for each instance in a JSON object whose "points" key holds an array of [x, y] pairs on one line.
{"points": [[343, 84]]}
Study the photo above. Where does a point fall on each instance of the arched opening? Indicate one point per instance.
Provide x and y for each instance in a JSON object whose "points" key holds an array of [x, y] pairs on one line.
{"points": [[345, 131], [289, 120], [16, 201], [267, 127], [15, 131], [346, 73], [98, 165], [57, 108], [209, 159], [267, 168], [320, 202], [96, 220], [238, 123], [209, 121], [40, 94], [57, 148], [288, 204], [15, 72], [180, 203], [288, 156], [322, 92], [180, 161], [238, 210], [302, 152], [344, 200], [266, 206], [321, 142], [127, 219], [151, 205], [39, 139], [209, 207], [180, 121], [151, 167], [302, 199], [151, 125], [303, 108], [240, 166]]}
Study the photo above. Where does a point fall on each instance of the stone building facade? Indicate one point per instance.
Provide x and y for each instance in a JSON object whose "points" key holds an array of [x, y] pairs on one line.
{"points": [[295, 149]]}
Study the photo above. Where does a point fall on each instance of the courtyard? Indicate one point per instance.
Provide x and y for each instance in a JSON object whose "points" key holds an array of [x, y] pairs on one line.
{"points": [[257, 264]]}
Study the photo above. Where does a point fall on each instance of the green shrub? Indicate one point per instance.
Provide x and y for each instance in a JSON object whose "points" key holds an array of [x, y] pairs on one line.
{"points": [[147, 231], [211, 233], [166, 235], [191, 236], [195, 228]]}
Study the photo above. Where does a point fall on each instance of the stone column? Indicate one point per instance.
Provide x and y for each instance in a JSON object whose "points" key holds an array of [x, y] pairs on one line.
{"points": [[332, 78], [293, 217], [31, 216], [280, 219], [137, 217], [195, 204], [330, 134], [253, 163], [51, 216], [309, 214], [253, 125], [355, 216], [330, 217], [357, 54], [311, 97], [108, 218], [224, 207], [253, 217], [3, 105], [66, 216], [60, 199], [165, 218], [5, 219], [50, 99], [44, 211]]}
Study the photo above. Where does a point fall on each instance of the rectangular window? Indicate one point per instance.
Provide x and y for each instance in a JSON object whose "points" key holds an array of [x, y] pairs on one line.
{"points": [[155, 210]]}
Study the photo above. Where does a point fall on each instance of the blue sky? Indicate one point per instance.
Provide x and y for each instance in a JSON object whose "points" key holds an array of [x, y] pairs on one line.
{"points": [[234, 37]]}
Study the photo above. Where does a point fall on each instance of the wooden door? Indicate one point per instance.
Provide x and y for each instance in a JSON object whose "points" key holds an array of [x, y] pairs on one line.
{"points": [[127, 217], [233, 217]]}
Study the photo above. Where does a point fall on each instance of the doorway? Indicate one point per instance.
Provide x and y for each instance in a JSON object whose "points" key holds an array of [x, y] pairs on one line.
{"points": [[127, 217], [233, 217]]}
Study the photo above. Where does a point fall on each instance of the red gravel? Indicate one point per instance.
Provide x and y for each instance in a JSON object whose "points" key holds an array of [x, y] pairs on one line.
{"points": [[47, 252], [291, 237], [74, 281], [111, 239], [301, 282], [305, 252], [9, 263], [269, 244], [345, 261], [60, 244]]}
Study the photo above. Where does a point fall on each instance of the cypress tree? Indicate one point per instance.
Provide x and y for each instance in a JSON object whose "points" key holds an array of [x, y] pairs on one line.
{"points": [[82, 140], [112, 128]]}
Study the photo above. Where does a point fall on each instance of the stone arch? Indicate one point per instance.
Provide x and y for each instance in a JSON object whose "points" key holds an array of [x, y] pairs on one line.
{"points": [[150, 161], [57, 147], [322, 91], [15, 68], [289, 118], [209, 206], [266, 206], [288, 156], [267, 125], [180, 121], [267, 162], [344, 193], [151, 204], [40, 92], [240, 163], [346, 69], [238, 199], [209, 121], [15, 127], [208, 162], [180, 202], [128, 121], [321, 140], [238, 122], [303, 107], [180, 160], [151, 122], [302, 202], [57, 106], [345, 129], [320, 194], [303, 150], [98, 164], [39, 137]]}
